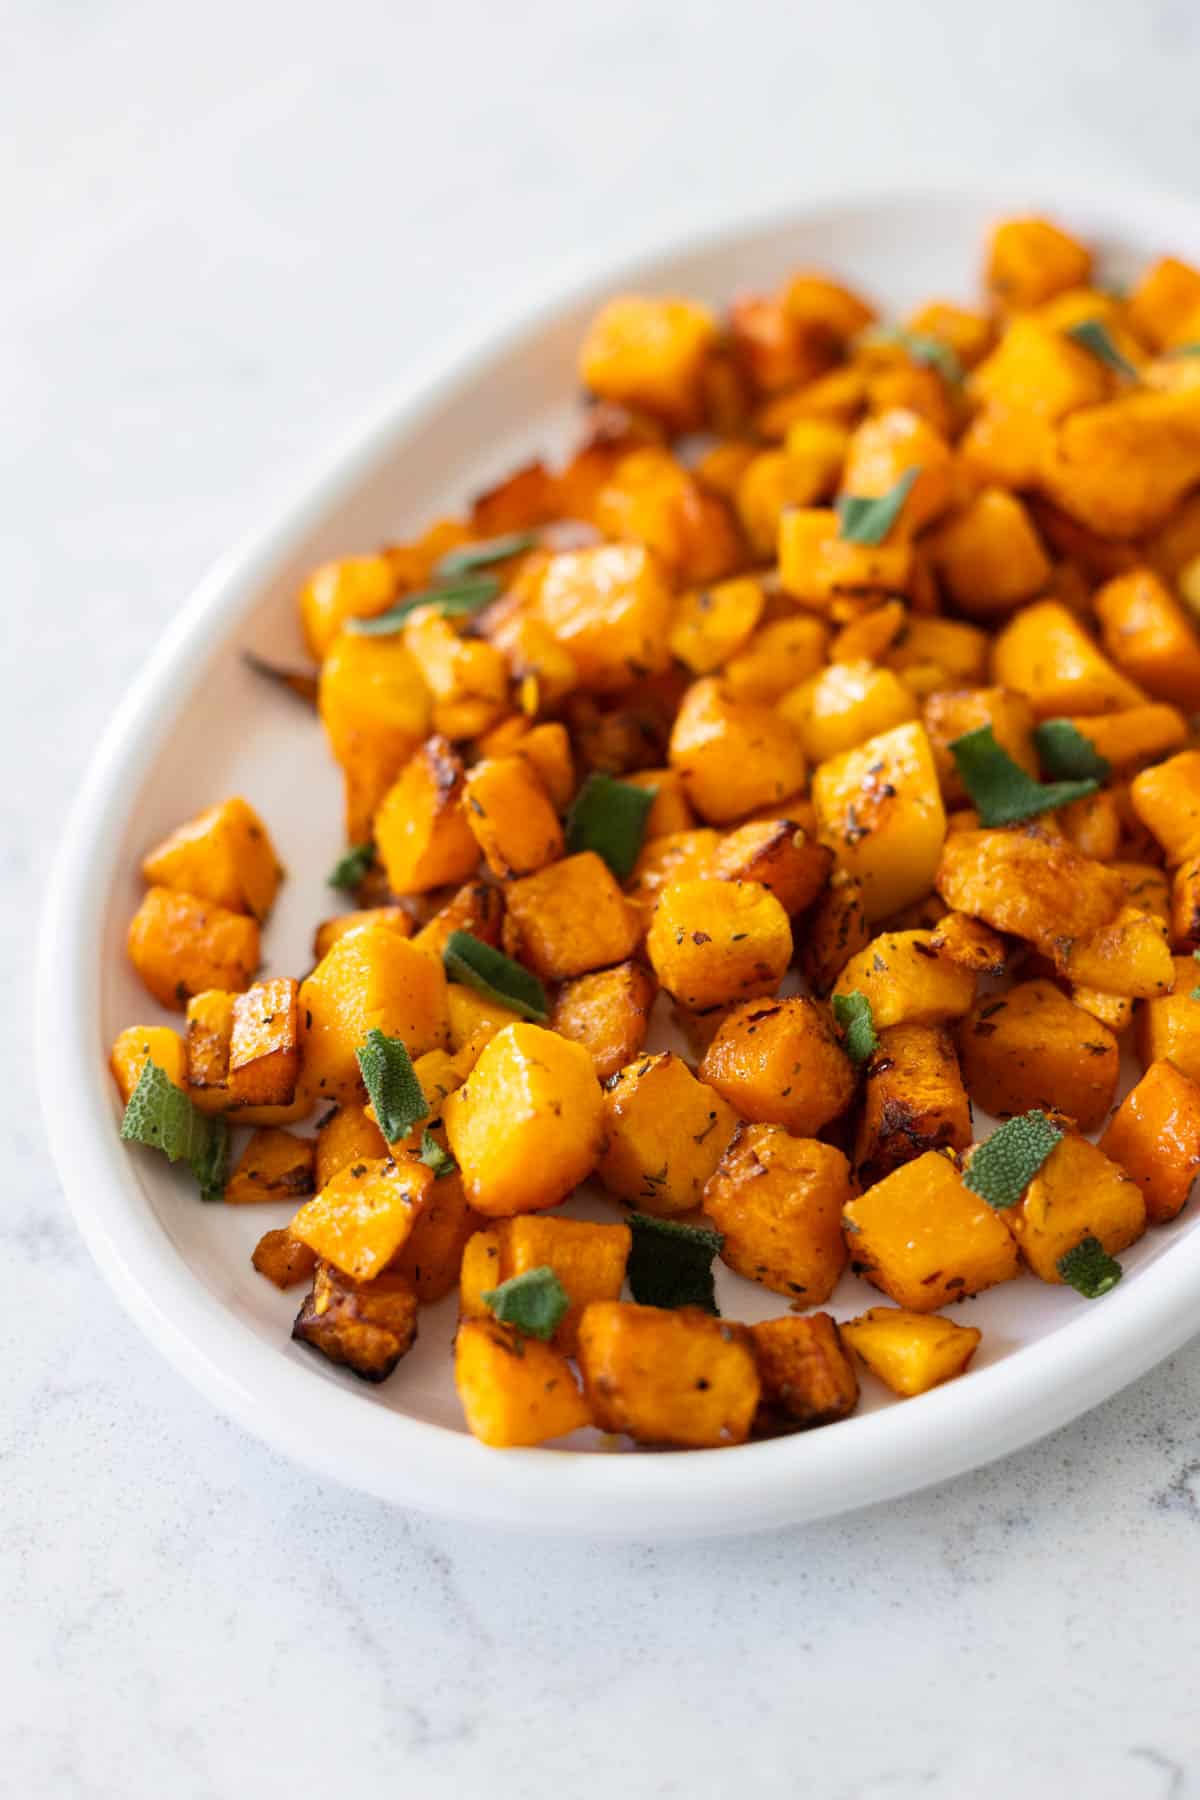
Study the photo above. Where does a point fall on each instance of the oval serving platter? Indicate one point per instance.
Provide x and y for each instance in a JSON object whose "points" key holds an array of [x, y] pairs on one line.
{"points": [[199, 725]]}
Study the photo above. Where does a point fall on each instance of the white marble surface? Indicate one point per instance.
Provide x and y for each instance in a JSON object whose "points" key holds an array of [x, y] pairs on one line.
{"points": [[220, 228]]}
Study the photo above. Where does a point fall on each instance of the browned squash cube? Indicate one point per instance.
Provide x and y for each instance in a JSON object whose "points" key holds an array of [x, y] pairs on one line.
{"points": [[396, 918], [588, 1259], [734, 756], [421, 828], [264, 1046], [665, 1134], [1166, 799], [512, 816], [360, 1218], [283, 1259], [780, 1062], [907, 982], [1170, 1026], [363, 1326], [711, 942], [353, 587], [778, 1200], [807, 1377], [1077, 1193], [679, 856], [1135, 735], [779, 855], [669, 811], [477, 908], [1045, 653], [1149, 636], [913, 1101], [514, 1390], [1030, 883], [1155, 1136], [609, 607], [139, 1044], [1033, 1048], [835, 930], [570, 919], [879, 808], [1131, 955], [344, 1136], [925, 1239], [181, 944], [430, 1258], [608, 1013], [970, 943], [209, 1037], [371, 979], [910, 1351], [275, 1165], [527, 1125], [223, 855], [681, 1378], [376, 709]]}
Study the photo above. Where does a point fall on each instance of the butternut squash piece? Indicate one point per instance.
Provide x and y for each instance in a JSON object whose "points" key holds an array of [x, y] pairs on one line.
{"points": [[430, 1258], [680, 1378], [1030, 884], [679, 856], [733, 755], [1046, 654], [909, 1351], [1121, 468], [1164, 301], [1078, 1193], [372, 979], [1150, 637], [283, 1259], [1166, 799], [778, 855], [1137, 734], [1131, 956], [924, 1239], [264, 1045], [818, 566], [885, 448], [610, 608], [223, 855], [1031, 260], [778, 1201], [353, 587], [363, 1215], [478, 908], [844, 705], [650, 354], [907, 982], [181, 944], [1032, 1048], [779, 656], [712, 623], [913, 1101], [780, 1062], [569, 919], [712, 942], [346, 1135], [835, 930], [588, 1259], [376, 710], [137, 1045], [989, 556], [511, 817], [362, 1326], [1155, 1137], [608, 1013], [514, 1390], [665, 1133], [421, 829], [879, 808], [652, 499], [807, 1377], [1170, 1025], [275, 1165], [396, 918]]}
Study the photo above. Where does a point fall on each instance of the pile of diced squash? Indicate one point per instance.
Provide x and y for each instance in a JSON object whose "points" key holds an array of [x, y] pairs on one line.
{"points": [[828, 716]]}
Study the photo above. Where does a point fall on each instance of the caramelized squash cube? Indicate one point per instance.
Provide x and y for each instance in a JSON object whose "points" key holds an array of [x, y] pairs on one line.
{"points": [[734, 756], [711, 942], [817, 565], [907, 982], [283, 1259], [478, 908], [421, 828], [1166, 799], [362, 1326], [925, 1239], [360, 1218], [264, 1046], [396, 918], [777, 854], [1045, 654], [138, 1045], [778, 1200], [223, 855], [1031, 260], [665, 1133], [1165, 300], [209, 1039], [609, 607], [1130, 956], [807, 1377], [909, 1351], [1149, 636], [1155, 1136], [346, 1135], [275, 1165], [181, 944], [1029, 883], [712, 623], [779, 1062], [844, 705], [879, 808], [569, 919], [835, 930], [588, 1259], [913, 1101], [779, 656], [989, 556], [1078, 1192], [883, 449], [376, 711], [511, 817], [354, 587], [1170, 1025], [431, 1257], [527, 1125], [608, 1013], [680, 1378], [1033, 1048], [1120, 469]]}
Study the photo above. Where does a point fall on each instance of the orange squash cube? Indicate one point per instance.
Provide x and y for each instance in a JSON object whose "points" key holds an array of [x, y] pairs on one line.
{"points": [[609, 607], [421, 829], [665, 1132], [514, 1390], [275, 1165], [1155, 1136], [807, 1377], [989, 556], [1166, 799], [778, 1201], [223, 855], [650, 354], [817, 565], [478, 908], [681, 1378], [283, 1259], [712, 942], [1032, 1048], [907, 982], [1170, 1025], [346, 1135], [780, 1062], [779, 656], [396, 918], [913, 1101], [844, 705], [608, 1013], [1045, 653], [372, 979], [360, 1219], [588, 1259], [1031, 260], [1149, 636], [511, 817], [883, 449], [1078, 1192], [354, 587], [376, 711], [925, 1239], [362, 1326], [430, 1258], [181, 944], [879, 808], [569, 919], [911, 1352], [777, 854], [139, 1044], [264, 1045], [733, 755]]}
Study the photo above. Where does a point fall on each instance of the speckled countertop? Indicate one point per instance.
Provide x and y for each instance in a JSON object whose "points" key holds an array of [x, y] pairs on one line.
{"points": [[220, 227]]}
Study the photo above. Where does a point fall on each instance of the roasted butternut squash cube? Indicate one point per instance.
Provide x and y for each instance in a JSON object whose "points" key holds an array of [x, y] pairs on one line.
{"points": [[778, 1200], [953, 651], [879, 808], [1164, 300], [913, 1101], [778, 855], [275, 1165], [209, 1038], [478, 908], [774, 480], [773, 351], [181, 944], [679, 856], [1029, 883], [223, 855], [609, 607], [264, 1046], [712, 942], [652, 499], [569, 919], [1006, 446], [527, 1125], [733, 755], [817, 565], [466, 675], [911, 1352], [346, 1135], [547, 749], [779, 656], [1131, 955], [511, 816], [475, 1016], [353, 587], [1031, 260], [430, 1258], [1045, 653], [650, 354], [807, 1377], [1149, 636], [844, 705], [139, 1044], [362, 1326], [1036, 372], [966, 941], [360, 1218], [1155, 1136], [835, 930], [1170, 1025], [712, 623], [681, 1378], [1122, 468], [1093, 824], [608, 1013], [482, 1270], [1078, 1192], [514, 1390], [1033, 1048], [283, 1259], [925, 1239], [968, 333], [589, 1261], [1166, 799], [376, 710], [989, 556], [665, 1132], [780, 1062], [883, 449], [421, 828], [396, 918], [372, 979], [907, 982]]}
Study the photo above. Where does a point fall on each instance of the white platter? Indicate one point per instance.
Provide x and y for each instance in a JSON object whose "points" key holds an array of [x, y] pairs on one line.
{"points": [[198, 726]]}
